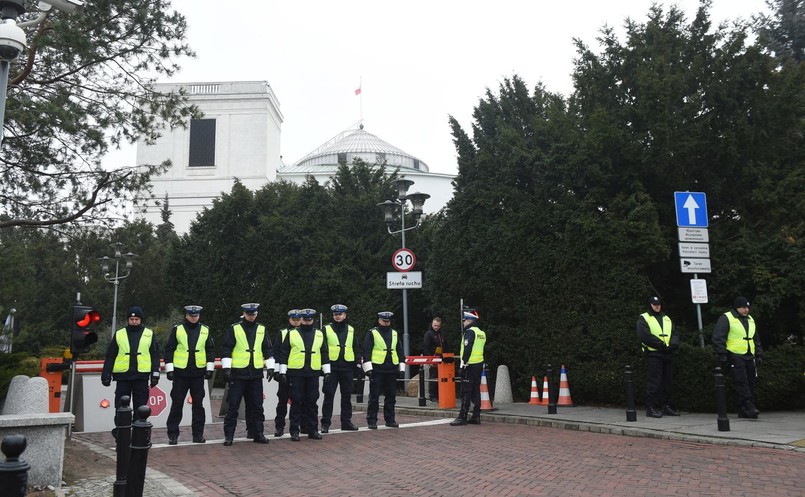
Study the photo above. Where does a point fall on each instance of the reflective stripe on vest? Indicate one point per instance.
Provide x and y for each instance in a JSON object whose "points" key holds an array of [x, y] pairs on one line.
{"points": [[657, 330], [739, 339], [122, 360], [477, 352], [241, 355], [380, 348], [296, 358], [335, 347], [182, 352]]}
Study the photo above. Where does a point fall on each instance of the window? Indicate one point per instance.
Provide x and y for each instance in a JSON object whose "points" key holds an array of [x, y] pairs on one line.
{"points": [[342, 157], [416, 163], [202, 143]]}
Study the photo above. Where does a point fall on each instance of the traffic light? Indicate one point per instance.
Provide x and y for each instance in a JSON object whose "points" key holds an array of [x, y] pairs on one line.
{"points": [[82, 334]]}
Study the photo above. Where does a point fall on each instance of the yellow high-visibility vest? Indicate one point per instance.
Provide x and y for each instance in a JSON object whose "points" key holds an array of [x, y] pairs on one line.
{"points": [[296, 358], [477, 352], [241, 354], [380, 348], [657, 330], [739, 339], [182, 352], [335, 347], [122, 360]]}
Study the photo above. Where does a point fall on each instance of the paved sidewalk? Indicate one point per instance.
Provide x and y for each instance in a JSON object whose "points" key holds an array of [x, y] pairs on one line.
{"points": [[778, 430]]}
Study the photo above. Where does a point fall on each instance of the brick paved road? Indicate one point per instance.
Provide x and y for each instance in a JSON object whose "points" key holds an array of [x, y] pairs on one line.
{"points": [[492, 459]]}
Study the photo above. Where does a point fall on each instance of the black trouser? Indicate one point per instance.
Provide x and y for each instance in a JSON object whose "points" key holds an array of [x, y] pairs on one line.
{"points": [[304, 392], [659, 378], [282, 404], [386, 384], [433, 386], [471, 390], [136, 389], [181, 385], [344, 379], [745, 376], [252, 392]]}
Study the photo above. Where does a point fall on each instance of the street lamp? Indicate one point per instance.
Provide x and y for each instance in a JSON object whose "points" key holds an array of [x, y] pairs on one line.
{"points": [[390, 211], [106, 264]]}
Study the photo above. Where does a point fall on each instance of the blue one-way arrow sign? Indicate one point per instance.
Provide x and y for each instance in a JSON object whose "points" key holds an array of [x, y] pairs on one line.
{"points": [[691, 209]]}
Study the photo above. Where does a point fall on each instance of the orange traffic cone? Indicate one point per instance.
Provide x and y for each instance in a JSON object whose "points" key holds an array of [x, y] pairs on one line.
{"points": [[534, 393], [545, 395], [564, 390], [486, 404]]}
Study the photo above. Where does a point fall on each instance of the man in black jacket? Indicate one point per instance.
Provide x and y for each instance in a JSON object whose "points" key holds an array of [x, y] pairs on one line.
{"points": [[738, 347], [132, 359], [383, 363], [659, 341], [189, 360], [342, 344], [435, 343]]}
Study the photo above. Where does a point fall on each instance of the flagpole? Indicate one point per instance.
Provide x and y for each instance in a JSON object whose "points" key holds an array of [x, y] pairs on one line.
{"points": [[360, 85]]}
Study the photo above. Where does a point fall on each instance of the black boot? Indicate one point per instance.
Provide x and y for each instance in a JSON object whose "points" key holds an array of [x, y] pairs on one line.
{"points": [[652, 412], [670, 411]]}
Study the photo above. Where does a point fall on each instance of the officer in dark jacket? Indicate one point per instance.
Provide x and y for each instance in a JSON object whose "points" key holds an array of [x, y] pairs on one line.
{"points": [[383, 363], [294, 320], [435, 343], [659, 340], [245, 351], [471, 369], [342, 343], [132, 359], [738, 347], [189, 360], [303, 358]]}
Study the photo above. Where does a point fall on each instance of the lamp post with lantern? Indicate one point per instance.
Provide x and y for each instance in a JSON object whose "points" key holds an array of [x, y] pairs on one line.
{"points": [[106, 265], [394, 211]]}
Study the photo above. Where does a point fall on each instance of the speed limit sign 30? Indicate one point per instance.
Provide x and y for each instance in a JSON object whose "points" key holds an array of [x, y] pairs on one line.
{"points": [[403, 260]]}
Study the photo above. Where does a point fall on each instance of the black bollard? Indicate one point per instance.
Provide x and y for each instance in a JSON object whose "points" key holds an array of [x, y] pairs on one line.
{"points": [[631, 414], [14, 471], [721, 402], [123, 429], [140, 443], [422, 402], [551, 393], [361, 376]]}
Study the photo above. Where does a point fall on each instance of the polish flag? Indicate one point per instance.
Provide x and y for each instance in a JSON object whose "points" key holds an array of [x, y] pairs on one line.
{"points": [[358, 91]]}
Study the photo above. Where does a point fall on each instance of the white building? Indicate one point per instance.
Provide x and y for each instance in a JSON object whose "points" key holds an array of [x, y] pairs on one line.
{"points": [[239, 137]]}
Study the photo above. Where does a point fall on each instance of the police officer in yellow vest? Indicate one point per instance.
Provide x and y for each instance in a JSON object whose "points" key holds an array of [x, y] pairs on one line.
{"points": [[245, 351], [342, 343], [383, 363], [470, 370], [737, 344], [659, 340], [189, 360], [131, 360], [303, 358], [294, 320]]}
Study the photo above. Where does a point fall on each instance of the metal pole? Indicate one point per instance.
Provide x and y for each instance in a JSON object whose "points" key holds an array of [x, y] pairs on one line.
{"points": [[551, 393], [14, 471], [4, 69], [114, 305], [406, 347], [631, 414], [140, 443], [123, 439], [721, 402], [422, 384], [699, 317]]}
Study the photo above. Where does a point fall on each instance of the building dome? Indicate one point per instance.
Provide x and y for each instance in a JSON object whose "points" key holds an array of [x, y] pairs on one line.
{"points": [[352, 144]]}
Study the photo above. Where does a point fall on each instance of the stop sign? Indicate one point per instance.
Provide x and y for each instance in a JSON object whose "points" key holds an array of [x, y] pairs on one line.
{"points": [[157, 400]]}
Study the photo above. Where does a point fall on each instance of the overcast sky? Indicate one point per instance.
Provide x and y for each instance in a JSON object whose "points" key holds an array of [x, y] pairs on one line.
{"points": [[416, 61]]}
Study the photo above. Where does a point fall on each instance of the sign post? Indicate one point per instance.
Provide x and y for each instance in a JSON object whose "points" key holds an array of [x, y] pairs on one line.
{"points": [[694, 249]]}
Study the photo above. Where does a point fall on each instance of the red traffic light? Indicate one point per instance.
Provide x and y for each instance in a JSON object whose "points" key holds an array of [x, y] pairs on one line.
{"points": [[85, 316]]}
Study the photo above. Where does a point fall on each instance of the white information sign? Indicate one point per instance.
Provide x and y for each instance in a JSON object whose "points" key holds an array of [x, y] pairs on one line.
{"points": [[400, 281], [694, 265], [700, 235], [698, 291], [701, 250]]}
